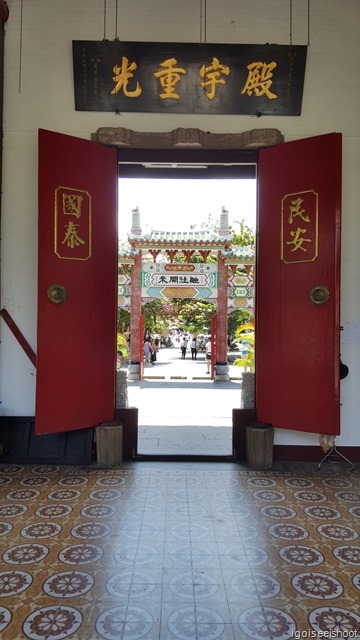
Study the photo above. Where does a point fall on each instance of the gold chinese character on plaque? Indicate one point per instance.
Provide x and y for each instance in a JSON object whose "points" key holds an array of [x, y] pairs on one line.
{"points": [[259, 80], [169, 77], [211, 77], [299, 227], [72, 237], [122, 75]]}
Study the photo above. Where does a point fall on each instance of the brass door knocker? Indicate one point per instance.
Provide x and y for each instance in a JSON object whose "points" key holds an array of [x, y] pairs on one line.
{"points": [[319, 295], [56, 293]]}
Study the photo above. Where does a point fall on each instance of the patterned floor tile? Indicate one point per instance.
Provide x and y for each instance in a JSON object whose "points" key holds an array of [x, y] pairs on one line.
{"points": [[177, 552]]}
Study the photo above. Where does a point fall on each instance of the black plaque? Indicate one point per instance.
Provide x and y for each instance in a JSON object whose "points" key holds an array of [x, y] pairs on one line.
{"points": [[175, 77]]}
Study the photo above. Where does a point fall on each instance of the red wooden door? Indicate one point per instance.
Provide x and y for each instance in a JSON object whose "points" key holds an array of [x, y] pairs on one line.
{"points": [[77, 282], [298, 285]]}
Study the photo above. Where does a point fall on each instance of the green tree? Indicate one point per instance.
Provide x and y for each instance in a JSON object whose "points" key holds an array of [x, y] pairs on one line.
{"points": [[159, 314], [245, 236], [235, 319], [195, 315], [123, 320]]}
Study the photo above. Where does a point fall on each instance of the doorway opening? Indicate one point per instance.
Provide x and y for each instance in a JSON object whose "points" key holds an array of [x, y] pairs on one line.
{"points": [[299, 181], [181, 412]]}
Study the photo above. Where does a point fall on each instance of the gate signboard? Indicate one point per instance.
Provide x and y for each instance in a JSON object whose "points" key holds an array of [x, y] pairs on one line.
{"points": [[124, 291], [240, 292], [161, 280], [184, 77], [198, 281]]}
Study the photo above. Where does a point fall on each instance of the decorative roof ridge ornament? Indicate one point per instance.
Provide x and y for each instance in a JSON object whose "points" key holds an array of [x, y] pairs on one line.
{"points": [[224, 222], [246, 252], [155, 237], [126, 250], [135, 222]]}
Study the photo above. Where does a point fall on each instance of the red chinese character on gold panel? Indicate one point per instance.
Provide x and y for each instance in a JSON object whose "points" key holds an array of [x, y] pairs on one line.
{"points": [[72, 224], [299, 227]]}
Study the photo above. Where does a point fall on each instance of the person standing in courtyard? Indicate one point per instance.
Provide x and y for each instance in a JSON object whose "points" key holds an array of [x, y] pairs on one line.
{"points": [[183, 347], [147, 351], [153, 351], [208, 355], [193, 347]]}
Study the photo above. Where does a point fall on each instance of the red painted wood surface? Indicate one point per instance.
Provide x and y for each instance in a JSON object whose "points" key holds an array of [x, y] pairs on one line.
{"points": [[297, 342], [76, 351]]}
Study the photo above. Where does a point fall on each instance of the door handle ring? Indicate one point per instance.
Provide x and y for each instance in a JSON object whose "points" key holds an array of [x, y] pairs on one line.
{"points": [[57, 293], [319, 295]]}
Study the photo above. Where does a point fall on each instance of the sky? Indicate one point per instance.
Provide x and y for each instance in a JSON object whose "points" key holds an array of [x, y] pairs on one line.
{"points": [[174, 205]]}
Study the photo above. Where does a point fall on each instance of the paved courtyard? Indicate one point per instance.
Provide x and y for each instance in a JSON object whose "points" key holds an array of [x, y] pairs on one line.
{"points": [[181, 411]]}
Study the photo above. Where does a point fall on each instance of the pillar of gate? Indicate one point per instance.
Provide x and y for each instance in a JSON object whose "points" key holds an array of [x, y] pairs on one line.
{"points": [[136, 354], [135, 313], [222, 367]]}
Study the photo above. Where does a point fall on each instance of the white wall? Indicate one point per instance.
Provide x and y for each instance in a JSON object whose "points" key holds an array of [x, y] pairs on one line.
{"points": [[39, 94]]}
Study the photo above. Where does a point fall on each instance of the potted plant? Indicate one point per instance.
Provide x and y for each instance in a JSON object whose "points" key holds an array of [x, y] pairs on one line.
{"points": [[246, 333], [259, 436], [122, 349], [121, 373]]}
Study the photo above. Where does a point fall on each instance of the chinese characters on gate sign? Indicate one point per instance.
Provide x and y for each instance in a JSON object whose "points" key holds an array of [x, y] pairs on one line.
{"points": [[258, 82], [178, 280], [191, 280], [175, 77], [299, 227], [72, 224]]}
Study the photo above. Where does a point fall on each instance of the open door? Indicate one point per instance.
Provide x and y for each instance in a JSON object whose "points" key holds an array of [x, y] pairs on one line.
{"points": [[298, 285], [77, 283]]}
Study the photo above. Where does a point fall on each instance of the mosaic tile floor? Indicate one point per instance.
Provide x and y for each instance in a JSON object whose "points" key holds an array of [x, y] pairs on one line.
{"points": [[178, 551]]}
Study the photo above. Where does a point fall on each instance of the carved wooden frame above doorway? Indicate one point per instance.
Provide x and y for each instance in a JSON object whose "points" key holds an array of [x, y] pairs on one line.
{"points": [[121, 137]]}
